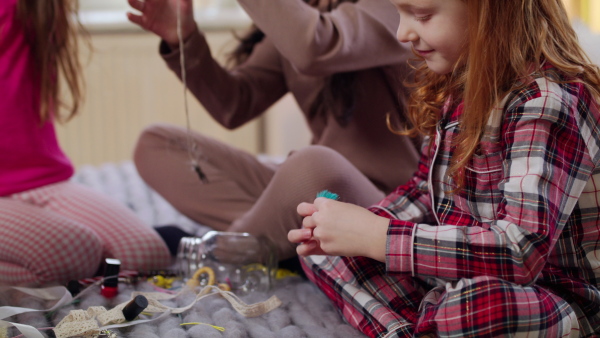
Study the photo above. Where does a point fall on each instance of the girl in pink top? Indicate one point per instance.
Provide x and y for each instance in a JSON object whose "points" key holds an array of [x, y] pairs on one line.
{"points": [[52, 230]]}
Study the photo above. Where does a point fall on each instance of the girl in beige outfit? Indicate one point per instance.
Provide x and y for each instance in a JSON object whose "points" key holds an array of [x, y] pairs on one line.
{"points": [[304, 51]]}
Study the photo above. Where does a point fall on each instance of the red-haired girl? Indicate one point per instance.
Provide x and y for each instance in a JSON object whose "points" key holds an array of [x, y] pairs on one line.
{"points": [[498, 233]]}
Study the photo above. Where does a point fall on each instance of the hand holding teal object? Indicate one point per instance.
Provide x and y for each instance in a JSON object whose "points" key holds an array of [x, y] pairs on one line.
{"points": [[328, 194]]}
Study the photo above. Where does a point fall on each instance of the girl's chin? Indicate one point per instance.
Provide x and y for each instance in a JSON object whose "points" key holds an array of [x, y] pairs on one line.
{"points": [[437, 67]]}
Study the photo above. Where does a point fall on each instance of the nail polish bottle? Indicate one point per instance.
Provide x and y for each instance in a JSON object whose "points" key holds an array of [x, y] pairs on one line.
{"points": [[110, 285]]}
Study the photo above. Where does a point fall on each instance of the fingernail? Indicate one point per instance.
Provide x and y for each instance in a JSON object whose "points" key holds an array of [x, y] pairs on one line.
{"points": [[307, 233]]}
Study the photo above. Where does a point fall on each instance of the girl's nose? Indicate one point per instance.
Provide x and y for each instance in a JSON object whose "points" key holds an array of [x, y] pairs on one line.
{"points": [[405, 33]]}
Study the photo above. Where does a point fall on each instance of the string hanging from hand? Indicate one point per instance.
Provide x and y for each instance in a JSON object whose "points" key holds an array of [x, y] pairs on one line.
{"points": [[191, 144]]}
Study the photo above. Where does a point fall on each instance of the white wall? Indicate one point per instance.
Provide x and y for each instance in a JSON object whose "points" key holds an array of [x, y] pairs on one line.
{"points": [[129, 87], [589, 41], [122, 4]]}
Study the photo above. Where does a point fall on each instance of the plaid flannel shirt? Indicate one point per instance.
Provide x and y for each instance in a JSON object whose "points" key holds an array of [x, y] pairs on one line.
{"points": [[516, 251]]}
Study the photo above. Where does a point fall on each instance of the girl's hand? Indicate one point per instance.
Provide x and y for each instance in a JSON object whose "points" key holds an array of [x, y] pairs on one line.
{"points": [[160, 18], [304, 236], [340, 229], [308, 246]]}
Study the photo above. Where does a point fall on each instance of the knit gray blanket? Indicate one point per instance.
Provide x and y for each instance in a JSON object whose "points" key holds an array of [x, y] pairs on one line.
{"points": [[305, 310]]}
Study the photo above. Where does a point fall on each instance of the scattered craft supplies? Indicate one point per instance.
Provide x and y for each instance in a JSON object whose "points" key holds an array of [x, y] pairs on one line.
{"points": [[96, 319]]}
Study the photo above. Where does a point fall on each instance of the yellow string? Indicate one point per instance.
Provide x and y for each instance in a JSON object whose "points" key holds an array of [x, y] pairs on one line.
{"points": [[218, 328], [284, 273]]}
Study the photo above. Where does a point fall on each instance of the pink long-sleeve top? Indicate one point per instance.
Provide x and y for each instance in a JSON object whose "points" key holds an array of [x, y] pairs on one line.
{"points": [[30, 155]]}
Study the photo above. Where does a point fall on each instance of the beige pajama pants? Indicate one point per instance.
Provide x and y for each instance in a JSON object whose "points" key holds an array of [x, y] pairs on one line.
{"points": [[244, 194]]}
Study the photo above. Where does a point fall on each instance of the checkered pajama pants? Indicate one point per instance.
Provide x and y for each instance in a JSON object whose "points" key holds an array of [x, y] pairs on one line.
{"points": [[387, 306], [62, 231]]}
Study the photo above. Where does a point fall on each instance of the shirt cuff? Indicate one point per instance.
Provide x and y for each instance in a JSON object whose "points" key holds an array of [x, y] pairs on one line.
{"points": [[192, 45], [399, 250]]}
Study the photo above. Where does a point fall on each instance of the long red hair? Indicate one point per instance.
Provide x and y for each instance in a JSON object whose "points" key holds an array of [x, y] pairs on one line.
{"points": [[506, 39], [52, 29]]}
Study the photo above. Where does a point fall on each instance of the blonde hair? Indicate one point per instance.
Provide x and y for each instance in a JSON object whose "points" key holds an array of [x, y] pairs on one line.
{"points": [[506, 39], [51, 30]]}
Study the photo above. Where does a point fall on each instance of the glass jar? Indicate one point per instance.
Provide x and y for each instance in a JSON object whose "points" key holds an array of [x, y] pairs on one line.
{"points": [[240, 261]]}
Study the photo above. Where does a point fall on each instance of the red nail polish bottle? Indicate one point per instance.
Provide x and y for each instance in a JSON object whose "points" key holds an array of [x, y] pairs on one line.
{"points": [[110, 285]]}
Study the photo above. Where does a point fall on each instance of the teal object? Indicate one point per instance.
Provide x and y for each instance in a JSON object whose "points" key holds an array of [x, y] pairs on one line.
{"points": [[328, 194]]}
